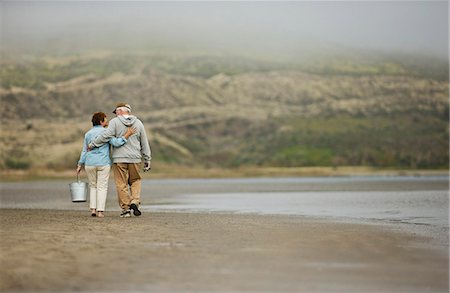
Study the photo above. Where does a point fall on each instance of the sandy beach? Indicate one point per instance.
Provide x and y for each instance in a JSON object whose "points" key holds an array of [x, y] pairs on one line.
{"points": [[341, 234], [68, 251]]}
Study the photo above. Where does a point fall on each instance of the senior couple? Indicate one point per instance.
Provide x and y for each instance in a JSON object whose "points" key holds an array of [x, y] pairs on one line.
{"points": [[125, 135]]}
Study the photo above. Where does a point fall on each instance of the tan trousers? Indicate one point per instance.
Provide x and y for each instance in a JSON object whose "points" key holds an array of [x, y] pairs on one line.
{"points": [[98, 186], [127, 174]]}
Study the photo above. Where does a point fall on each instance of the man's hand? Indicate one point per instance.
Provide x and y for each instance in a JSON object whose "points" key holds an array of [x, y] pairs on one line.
{"points": [[147, 166]]}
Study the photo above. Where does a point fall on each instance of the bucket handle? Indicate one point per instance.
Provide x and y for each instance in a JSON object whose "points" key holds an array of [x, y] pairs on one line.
{"points": [[78, 177]]}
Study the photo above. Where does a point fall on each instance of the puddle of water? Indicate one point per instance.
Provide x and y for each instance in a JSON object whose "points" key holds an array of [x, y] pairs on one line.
{"points": [[417, 207]]}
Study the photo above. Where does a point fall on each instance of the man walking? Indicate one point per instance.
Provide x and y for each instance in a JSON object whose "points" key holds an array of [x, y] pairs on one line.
{"points": [[127, 159]]}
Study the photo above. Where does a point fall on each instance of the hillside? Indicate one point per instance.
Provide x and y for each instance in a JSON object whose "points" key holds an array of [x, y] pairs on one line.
{"points": [[228, 111]]}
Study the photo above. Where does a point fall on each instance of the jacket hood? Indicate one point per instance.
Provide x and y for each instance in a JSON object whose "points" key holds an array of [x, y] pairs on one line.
{"points": [[127, 120]]}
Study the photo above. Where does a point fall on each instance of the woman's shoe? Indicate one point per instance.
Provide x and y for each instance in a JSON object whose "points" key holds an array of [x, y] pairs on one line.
{"points": [[100, 215], [93, 213]]}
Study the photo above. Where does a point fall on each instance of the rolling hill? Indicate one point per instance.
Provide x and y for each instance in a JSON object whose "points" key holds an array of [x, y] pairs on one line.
{"points": [[230, 111]]}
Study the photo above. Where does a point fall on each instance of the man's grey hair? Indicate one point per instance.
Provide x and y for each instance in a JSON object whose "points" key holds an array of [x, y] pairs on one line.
{"points": [[126, 109]]}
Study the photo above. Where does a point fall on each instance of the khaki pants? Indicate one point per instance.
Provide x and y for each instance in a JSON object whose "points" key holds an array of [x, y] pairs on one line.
{"points": [[127, 174], [98, 177]]}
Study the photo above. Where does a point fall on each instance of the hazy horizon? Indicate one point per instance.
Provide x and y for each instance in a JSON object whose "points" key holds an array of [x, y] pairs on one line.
{"points": [[291, 28]]}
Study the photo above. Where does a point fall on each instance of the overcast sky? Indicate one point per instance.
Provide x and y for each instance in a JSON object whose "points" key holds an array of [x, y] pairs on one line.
{"points": [[411, 26]]}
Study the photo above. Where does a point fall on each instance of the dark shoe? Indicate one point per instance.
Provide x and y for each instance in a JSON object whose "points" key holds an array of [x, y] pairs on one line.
{"points": [[125, 214], [135, 209]]}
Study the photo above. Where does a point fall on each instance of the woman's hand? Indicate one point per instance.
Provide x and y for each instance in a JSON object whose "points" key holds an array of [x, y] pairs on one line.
{"points": [[130, 132], [78, 169]]}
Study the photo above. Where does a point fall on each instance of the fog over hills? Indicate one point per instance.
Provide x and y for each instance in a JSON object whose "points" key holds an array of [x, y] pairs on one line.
{"points": [[283, 29]]}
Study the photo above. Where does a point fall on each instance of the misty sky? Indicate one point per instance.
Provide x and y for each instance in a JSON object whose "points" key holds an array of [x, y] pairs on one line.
{"points": [[411, 26]]}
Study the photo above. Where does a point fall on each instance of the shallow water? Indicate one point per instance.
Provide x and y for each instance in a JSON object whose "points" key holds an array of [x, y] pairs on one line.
{"points": [[402, 199], [417, 207]]}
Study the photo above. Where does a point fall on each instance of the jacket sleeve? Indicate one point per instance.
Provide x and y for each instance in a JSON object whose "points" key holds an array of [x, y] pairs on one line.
{"points": [[145, 147], [118, 141], [82, 159], [105, 136]]}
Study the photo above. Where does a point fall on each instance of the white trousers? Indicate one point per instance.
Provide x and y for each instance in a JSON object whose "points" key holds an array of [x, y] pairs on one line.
{"points": [[98, 177]]}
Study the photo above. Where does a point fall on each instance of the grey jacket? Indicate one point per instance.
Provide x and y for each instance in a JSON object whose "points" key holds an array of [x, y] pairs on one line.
{"points": [[134, 149]]}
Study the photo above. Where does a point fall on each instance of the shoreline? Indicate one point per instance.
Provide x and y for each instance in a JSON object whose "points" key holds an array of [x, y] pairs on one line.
{"points": [[50, 244], [183, 172], [68, 251]]}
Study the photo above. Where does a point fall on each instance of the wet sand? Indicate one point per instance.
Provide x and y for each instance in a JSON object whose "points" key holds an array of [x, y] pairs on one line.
{"points": [[68, 251]]}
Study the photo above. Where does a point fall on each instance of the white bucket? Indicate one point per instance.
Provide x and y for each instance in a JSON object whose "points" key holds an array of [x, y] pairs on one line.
{"points": [[78, 190]]}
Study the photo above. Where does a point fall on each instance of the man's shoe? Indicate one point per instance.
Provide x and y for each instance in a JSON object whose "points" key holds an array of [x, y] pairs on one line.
{"points": [[125, 214], [135, 209]]}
